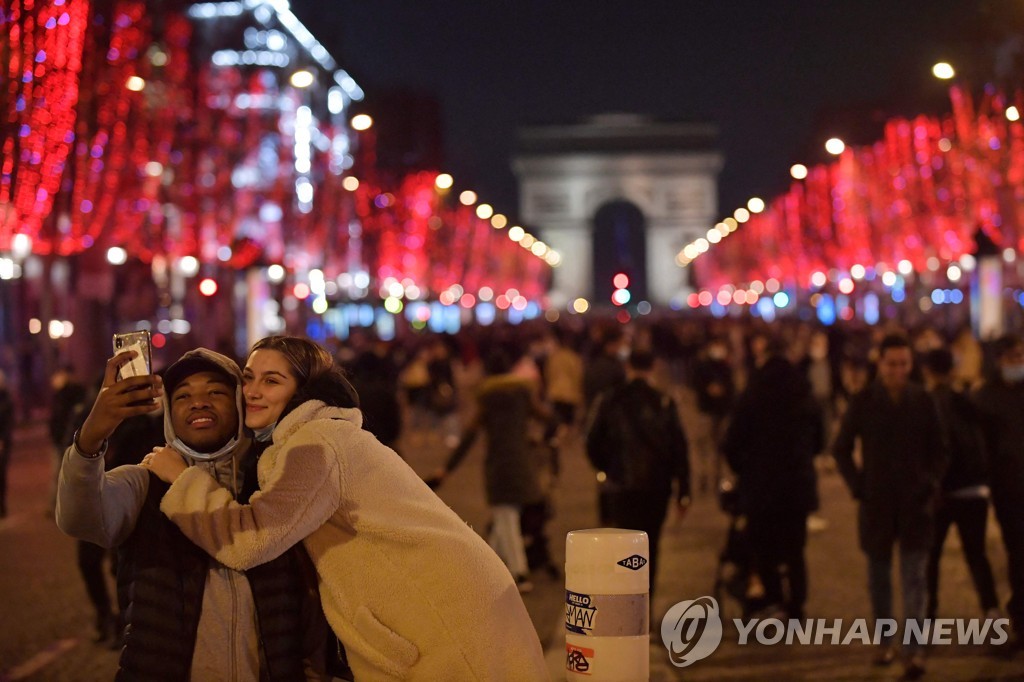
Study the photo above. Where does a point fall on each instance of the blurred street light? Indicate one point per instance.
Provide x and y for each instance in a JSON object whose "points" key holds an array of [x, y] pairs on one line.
{"points": [[361, 122], [116, 255], [302, 79], [189, 266], [943, 71], [835, 146]]}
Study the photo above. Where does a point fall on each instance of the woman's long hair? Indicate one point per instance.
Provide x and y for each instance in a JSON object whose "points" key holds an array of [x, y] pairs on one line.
{"points": [[318, 376]]}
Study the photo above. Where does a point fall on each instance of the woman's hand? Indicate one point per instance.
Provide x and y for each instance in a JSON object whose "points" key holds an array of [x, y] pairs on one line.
{"points": [[166, 463]]}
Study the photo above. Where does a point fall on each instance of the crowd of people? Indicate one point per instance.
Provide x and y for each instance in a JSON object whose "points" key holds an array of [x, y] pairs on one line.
{"points": [[278, 470]]}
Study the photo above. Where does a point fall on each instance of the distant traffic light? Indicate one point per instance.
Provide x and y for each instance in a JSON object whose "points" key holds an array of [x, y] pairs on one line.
{"points": [[621, 294]]}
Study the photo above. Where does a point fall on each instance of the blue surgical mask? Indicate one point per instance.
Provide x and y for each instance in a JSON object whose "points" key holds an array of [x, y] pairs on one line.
{"points": [[263, 435], [178, 445]]}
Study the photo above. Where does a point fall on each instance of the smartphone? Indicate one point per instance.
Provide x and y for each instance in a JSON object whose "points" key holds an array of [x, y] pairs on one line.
{"points": [[141, 364]]}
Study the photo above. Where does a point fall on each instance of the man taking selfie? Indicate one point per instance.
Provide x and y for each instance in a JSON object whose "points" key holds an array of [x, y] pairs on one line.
{"points": [[265, 623]]}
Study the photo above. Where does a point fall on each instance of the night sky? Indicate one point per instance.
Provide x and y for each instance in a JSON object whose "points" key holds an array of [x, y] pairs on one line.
{"points": [[777, 76]]}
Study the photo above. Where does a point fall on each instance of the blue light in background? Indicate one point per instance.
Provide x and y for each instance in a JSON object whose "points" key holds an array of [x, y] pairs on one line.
{"points": [[485, 313], [871, 314], [436, 322], [411, 311], [335, 323], [366, 315], [827, 310], [385, 325], [351, 313], [452, 319], [315, 330]]}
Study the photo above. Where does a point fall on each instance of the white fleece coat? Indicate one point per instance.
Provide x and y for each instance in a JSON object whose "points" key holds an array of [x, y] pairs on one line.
{"points": [[408, 587]]}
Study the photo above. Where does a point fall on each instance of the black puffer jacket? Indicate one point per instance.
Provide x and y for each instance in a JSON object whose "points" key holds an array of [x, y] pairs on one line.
{"points": [[774, 433]]}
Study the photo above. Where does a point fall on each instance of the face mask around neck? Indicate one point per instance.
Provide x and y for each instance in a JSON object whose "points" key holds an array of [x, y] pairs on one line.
{"points": [[204, 456]]}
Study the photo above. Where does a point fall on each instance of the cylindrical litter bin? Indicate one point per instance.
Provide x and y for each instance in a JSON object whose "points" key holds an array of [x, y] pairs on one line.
{"points": [[607, 612]]}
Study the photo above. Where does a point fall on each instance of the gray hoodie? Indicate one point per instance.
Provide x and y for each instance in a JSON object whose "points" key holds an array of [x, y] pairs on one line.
{"points": [[102, 507]]}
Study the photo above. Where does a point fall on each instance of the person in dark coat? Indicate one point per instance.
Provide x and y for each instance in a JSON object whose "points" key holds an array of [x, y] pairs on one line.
{"points": [[1000, 401], [505, 403], [6, 439], [770, 444], [69, 396], [91, 556], [375, 378], [132, 440], [637, 441], [715, 392], [964, 487], [606, 369], [904, 458]]}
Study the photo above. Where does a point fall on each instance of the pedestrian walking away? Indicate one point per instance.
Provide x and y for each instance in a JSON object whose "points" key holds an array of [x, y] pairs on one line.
{"points": [[636, 443], [965, 490]]}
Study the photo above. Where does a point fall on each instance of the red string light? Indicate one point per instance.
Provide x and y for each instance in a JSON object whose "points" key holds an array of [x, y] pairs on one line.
{"points": [[44, 43], [920, 192], [111, 138]]}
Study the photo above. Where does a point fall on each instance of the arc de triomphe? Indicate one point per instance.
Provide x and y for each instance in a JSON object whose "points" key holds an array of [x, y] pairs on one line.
{"points": [[618, 193]]}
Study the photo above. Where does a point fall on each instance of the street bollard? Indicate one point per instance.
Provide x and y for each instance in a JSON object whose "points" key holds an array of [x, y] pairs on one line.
{"points": [[607, 612]]}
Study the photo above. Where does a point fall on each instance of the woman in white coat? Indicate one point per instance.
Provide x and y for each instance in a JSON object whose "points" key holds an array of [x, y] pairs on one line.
{"points": [[411, 591]]}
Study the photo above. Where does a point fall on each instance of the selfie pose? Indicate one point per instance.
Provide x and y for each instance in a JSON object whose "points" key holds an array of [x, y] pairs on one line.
{"points": [[187, 617], [412, 591]]}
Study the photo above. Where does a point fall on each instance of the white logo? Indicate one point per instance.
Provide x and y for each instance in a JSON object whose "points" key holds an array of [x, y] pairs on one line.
{"points": [[691, 630]]}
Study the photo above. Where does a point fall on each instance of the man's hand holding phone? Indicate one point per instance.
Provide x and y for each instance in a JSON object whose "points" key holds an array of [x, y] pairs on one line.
{"points": [[141, 361], [118, 400]]}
